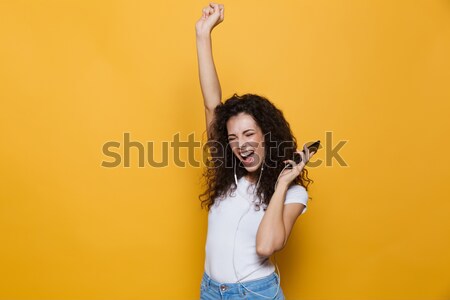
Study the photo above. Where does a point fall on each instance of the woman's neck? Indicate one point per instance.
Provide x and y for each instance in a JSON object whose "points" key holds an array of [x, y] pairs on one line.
{"points": [[250, 177]]}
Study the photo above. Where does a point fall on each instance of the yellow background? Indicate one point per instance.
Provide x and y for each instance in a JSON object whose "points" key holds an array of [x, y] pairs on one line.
{"points": [[77, 74]]}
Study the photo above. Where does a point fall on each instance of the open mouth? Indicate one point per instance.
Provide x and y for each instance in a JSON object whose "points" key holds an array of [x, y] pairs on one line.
{"points": [[247, 156]]}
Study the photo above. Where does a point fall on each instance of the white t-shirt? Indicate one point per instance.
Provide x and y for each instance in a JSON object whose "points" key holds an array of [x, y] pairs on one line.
{"points": [[223, 220]]}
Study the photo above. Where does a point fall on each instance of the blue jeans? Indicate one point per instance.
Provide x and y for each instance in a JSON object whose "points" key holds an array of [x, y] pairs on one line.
{"points": [[258, 289]]}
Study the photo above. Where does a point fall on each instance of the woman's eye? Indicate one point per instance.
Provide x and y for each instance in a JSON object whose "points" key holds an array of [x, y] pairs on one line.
{"points": [[250, 134]]}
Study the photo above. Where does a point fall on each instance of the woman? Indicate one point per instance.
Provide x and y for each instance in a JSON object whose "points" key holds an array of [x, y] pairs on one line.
{"points": [[251, 143]]}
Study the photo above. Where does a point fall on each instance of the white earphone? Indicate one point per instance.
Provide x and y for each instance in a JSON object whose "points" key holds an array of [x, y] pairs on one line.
{"points": [[234, 244]]}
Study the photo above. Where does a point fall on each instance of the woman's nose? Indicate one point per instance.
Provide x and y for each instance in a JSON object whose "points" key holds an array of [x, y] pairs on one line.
{"points": [[244, 144]]}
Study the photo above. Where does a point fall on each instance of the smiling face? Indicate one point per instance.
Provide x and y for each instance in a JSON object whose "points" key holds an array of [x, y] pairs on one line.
{"points": [[246, 140]]}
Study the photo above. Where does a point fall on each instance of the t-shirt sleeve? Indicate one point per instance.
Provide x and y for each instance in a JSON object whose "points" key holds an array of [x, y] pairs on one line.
{"points": [[297, 194]]}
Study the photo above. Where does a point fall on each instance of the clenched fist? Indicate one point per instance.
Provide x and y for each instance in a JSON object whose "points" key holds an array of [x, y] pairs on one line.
{"points": [[212, 15]]}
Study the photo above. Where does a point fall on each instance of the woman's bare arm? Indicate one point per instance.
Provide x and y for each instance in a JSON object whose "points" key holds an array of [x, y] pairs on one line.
{"points": [[212, 94]]}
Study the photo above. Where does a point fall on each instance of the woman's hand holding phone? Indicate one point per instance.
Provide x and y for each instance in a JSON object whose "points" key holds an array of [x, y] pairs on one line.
{"points": [[299, 158], [294, 167]]}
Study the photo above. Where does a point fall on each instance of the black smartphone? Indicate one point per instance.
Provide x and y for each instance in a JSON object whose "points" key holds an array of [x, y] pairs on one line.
{"points": [[297, 158]]}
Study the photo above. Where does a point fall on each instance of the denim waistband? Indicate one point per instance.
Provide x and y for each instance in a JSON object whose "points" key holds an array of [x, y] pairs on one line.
{"points": [[236, 288]]}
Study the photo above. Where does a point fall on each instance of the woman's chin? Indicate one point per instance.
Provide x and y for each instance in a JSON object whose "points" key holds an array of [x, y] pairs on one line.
{"points": [[252, 169]]}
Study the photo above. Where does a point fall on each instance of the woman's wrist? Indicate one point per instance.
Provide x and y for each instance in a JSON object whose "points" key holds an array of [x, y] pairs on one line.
{"points": [[203, 35], [282, 186]]}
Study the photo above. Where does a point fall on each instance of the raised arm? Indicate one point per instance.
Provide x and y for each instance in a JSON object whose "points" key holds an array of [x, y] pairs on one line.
{"points": [[212, 94]]}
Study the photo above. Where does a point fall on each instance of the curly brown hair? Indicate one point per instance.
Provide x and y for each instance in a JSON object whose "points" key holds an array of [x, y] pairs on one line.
{"points": [[219, 174]]}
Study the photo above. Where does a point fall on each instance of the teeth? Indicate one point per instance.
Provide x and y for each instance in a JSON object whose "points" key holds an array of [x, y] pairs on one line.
{"points": [[246, 154]]}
